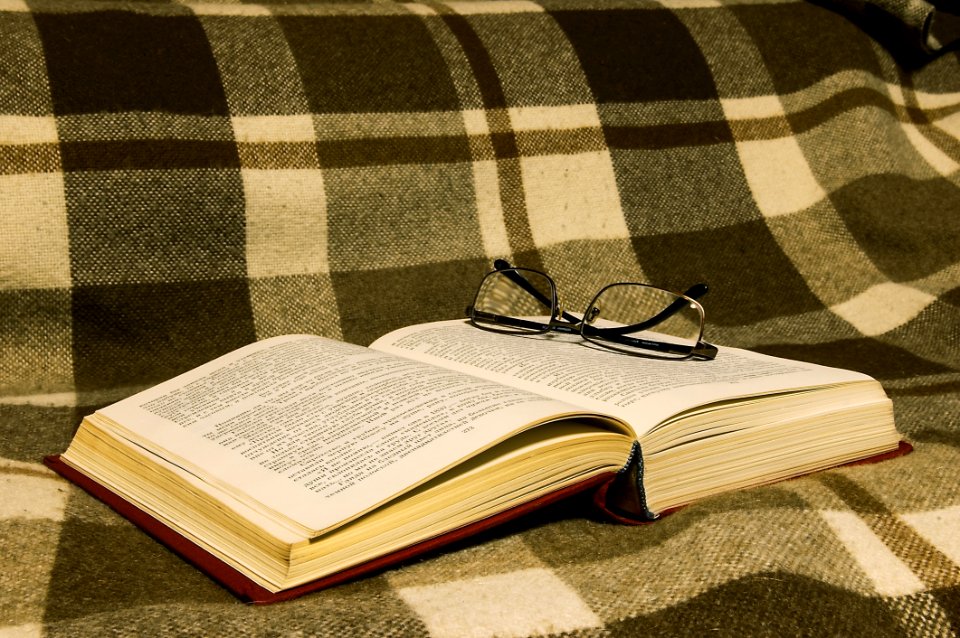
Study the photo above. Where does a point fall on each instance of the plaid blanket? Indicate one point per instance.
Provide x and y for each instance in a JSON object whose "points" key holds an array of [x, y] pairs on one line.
{"points": [[179, 179]]}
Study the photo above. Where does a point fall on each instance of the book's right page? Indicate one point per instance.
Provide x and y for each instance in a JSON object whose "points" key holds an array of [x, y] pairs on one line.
{"points": [[642, 391], [704, 427]]}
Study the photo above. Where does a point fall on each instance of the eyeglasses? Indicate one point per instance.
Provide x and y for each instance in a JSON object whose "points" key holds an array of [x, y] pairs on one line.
{"points": [[636, 319]]}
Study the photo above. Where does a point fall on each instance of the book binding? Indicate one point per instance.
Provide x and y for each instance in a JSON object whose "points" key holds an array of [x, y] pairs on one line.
{"points": [[624, 498]]}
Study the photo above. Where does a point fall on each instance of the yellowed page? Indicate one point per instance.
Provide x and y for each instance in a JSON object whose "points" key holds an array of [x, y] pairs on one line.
{"points": [[320, 431]]}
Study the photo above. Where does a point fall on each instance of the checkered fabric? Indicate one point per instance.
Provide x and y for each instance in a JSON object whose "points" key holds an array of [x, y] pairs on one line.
{"points": [[179, 179]]}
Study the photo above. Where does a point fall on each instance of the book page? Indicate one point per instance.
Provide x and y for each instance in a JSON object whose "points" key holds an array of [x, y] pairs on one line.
{"points": [[320, 431], [638, 390]]}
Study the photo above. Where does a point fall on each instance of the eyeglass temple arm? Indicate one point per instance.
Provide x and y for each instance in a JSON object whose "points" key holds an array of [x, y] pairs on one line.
{"points": [[702, 350], [504, 320]]}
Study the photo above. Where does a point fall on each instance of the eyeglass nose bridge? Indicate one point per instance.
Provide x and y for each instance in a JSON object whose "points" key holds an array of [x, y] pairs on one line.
{"points": [[563, 321]]}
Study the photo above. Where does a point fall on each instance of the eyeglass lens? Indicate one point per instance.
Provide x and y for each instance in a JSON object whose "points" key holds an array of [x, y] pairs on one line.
{"points": [[637, 318], [526, 296]]}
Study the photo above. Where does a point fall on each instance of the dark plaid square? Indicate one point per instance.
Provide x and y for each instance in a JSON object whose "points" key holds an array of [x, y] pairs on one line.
{"points": [[530, 74], [29, 432], [139, 334], [878, 206], [777, 605], [369, 64], [403, 296], [637, 55], [35, 323], [739, 275], [814, 47], [139, 226], [383, 217], [24, 92], [659, 194], [123, 61], [116, 557]]}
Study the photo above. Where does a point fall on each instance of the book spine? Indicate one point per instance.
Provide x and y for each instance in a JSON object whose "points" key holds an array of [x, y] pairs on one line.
{"points": [[624, 498]]}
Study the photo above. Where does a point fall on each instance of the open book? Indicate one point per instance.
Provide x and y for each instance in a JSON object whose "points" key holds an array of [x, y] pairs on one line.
{"points": [[298, 461]]}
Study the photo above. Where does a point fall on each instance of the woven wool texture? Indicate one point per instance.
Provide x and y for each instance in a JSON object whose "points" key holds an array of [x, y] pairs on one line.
{"points": [[179, 179]]}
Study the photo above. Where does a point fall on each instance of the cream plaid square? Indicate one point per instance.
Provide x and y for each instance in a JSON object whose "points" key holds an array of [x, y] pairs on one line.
{"points": [[572, 197], [286, 226], [36, 250], [779, 176], [531, 601], [883, 307]]}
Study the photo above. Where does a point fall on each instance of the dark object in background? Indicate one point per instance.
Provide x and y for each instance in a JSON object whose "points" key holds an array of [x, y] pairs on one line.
{"points": [[915, 31]]}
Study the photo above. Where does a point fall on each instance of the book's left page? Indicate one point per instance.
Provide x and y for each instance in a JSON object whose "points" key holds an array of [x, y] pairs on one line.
{"points": [[316, 432]]}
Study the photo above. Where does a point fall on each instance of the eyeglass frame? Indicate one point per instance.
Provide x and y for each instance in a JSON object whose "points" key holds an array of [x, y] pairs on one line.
{"points": [[563, 322]]}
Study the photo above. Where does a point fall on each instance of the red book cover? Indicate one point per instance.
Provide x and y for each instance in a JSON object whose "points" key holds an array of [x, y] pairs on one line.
{"points": [[249, 591]]}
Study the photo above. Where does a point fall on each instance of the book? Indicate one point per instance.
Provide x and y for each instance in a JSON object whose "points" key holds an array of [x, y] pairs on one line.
{"points": [[298, 462]]}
